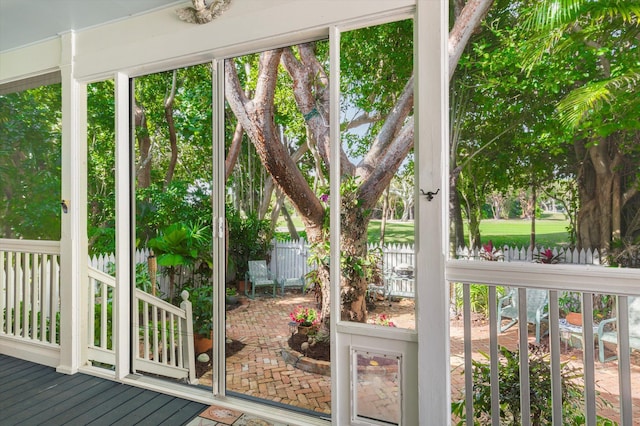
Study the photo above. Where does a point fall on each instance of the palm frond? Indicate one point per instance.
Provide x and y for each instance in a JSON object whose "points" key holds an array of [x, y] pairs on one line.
{"points": [[553, 14], [581, 103], [628, 10]]}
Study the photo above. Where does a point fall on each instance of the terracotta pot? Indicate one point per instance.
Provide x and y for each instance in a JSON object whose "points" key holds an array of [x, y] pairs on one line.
{"points": [[202, 343], [574, 318], [243, 286]]}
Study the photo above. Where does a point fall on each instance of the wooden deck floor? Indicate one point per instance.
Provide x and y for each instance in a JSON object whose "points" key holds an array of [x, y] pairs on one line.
{"points": [[33, 394]]}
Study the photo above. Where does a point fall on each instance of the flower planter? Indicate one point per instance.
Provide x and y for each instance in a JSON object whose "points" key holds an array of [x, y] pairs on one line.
{"points": [[574, 318], [202, 343], [305, 329]]}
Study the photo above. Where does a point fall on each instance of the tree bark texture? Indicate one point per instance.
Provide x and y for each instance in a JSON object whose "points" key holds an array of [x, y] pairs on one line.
{"points": [[373, 173], [143, 174]]}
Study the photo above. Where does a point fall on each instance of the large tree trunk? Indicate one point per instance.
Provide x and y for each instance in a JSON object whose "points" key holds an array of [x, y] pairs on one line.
{"points": [[457, 224], [597, 185], [374, 172]]}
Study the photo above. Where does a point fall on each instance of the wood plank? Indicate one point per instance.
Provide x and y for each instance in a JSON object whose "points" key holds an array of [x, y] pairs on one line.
{"points": [[144, 411], [26, 390], [39, 397], [54, 401], [166, 410], [124, 411], [20, 378], [8, 362], [73, 400], [43, 396], [98, 405], [184, 415]]}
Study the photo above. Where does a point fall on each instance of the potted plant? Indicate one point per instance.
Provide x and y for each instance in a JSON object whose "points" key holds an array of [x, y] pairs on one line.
{"points": [[571, 307], [231, 296], [306, 319], [202, 308]]}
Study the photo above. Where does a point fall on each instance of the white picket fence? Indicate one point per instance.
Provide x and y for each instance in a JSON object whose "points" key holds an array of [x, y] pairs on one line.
{"points": [[289, 258], [526, 254]]}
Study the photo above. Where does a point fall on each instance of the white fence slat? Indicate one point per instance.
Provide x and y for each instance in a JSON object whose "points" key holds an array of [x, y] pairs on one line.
{"points": [[289, 258]]}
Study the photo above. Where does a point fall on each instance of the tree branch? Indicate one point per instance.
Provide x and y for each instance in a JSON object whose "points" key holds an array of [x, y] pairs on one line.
{"points": [[465, 25]]}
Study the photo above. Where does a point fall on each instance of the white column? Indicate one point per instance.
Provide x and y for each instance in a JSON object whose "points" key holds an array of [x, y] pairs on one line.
{"points": [[73, 243], [125, 215], [431, 146]]}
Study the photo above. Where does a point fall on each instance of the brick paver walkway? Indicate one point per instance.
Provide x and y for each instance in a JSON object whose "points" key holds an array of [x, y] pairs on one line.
{"points": [[606, 374], [258, 370]]}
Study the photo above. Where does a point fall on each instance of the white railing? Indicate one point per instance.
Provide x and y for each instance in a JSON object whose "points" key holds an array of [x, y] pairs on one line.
{"points": [[165, 331], [101, 317], [30, 290], [605, 387]]}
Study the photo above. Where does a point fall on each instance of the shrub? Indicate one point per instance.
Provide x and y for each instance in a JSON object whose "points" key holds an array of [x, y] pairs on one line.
{"points": [[540, 391]]}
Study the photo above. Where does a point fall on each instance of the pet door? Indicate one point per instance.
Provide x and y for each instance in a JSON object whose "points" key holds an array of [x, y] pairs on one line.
{"points": [[376, 389]]}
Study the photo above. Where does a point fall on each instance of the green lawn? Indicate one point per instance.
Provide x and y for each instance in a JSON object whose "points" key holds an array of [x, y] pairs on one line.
{"points": [[516, 232], [550, 231]]}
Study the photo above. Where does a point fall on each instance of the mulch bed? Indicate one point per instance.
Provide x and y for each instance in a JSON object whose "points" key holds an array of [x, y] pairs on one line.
{"points": [[320, 351], [231, 348]]}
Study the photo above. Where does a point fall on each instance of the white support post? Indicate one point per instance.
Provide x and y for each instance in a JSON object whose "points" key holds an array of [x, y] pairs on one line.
{"points": [[220, 233], [124, 230], [431, 140], [73, 243]]}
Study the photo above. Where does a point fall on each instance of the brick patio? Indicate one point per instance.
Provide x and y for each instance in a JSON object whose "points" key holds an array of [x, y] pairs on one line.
{"points": [[259, 370]]}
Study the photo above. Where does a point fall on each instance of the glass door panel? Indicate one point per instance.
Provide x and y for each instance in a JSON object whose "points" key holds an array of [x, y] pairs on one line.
{"points": [[276, 144], [378, 276], [173, 175], [101, 222], [377, 175]]}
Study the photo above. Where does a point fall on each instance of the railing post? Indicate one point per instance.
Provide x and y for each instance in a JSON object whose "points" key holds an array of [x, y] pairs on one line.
{"points": [[188, 346]]}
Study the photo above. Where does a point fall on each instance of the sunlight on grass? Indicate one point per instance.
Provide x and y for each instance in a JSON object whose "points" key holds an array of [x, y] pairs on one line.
{"points": [[550, 231]]}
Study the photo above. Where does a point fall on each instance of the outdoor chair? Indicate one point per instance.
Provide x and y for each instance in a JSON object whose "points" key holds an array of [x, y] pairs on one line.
{"points": [[605, 334], [259, 276], [294, 282], [537, 311]]}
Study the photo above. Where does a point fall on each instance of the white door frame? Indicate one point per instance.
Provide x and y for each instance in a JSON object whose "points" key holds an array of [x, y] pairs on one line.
{"points": [[347, 337]]}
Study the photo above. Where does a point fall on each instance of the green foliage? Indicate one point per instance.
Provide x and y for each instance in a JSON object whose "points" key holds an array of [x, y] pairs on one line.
{"points": [[182, 245], [30, 163], [179, 202], [202, 304], [509, 395], [97, 324], [33, 330], [249, 239], [570, 301], [624, 252], [101, 163], [478, 298]]}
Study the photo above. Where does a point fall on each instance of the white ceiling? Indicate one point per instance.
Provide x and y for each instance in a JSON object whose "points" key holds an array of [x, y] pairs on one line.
{"points": [[24, 22]]}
